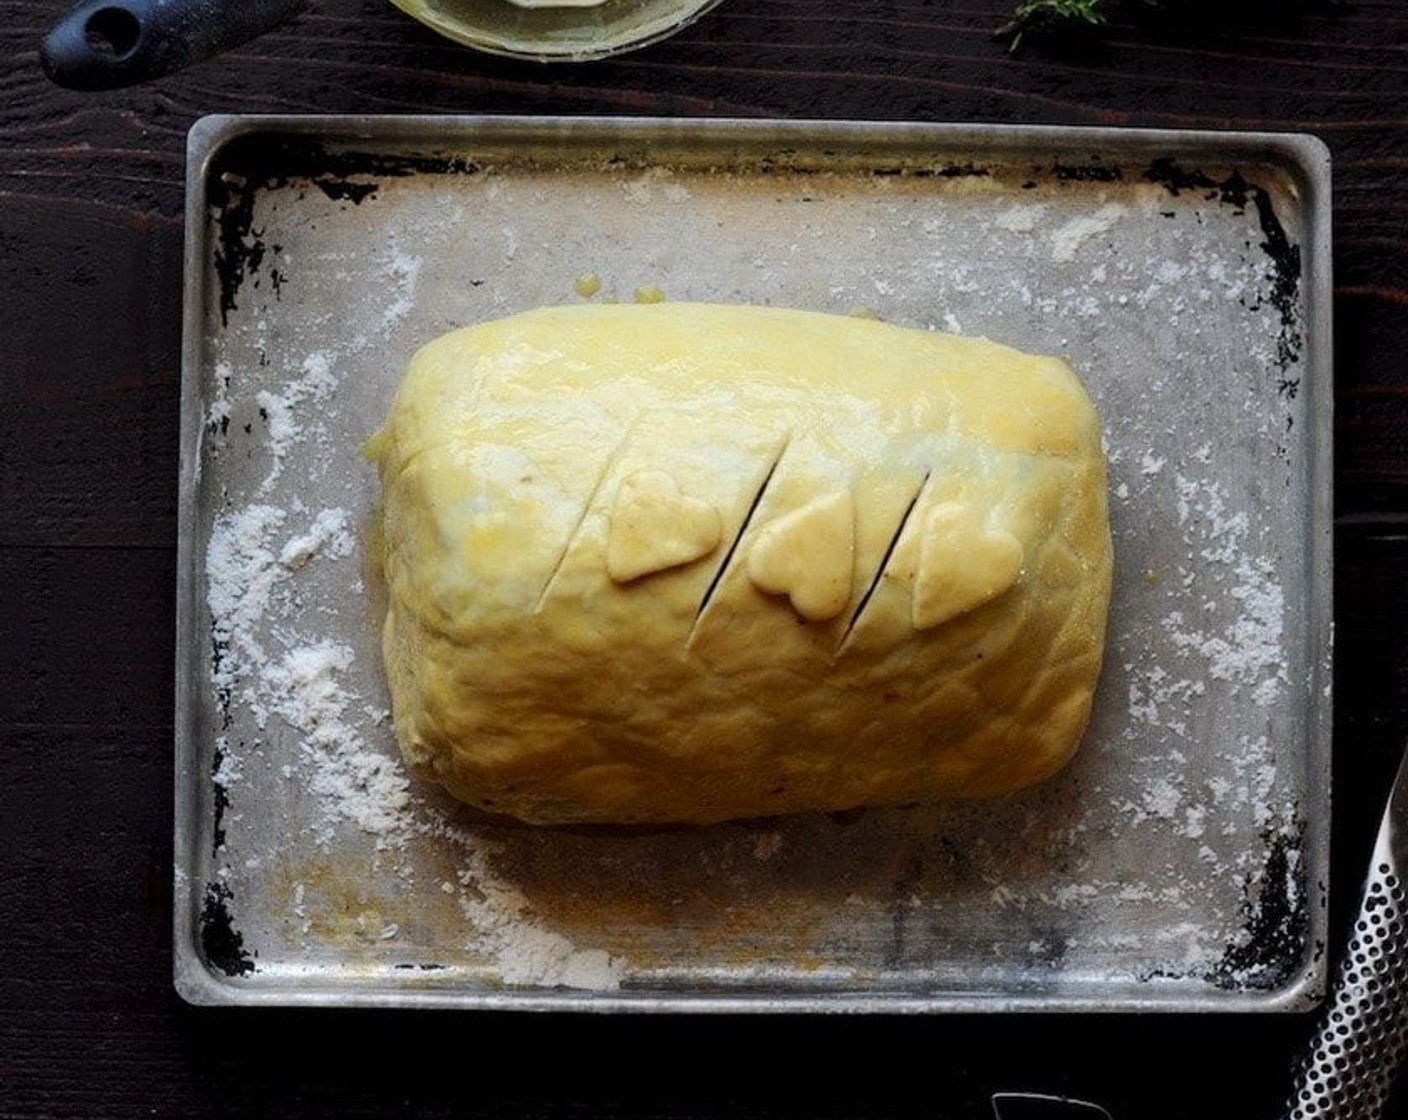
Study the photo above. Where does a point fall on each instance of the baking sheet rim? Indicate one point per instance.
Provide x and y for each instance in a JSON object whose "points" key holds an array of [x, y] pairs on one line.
{"points": [[1305, 158]]}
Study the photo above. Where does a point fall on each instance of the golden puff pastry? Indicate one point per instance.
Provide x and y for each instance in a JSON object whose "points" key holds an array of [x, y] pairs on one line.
{"points": [[688, 562]]}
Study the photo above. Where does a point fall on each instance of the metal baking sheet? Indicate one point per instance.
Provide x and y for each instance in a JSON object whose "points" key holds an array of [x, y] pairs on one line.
{"points": [[1178, 864]]}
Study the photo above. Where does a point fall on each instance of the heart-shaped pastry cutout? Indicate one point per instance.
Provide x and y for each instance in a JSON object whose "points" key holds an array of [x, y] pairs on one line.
{"points": [[655, 527], [962, 565], [809, 556]]}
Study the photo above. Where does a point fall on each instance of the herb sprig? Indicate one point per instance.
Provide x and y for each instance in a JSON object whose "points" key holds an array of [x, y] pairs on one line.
{"points": [[1050, 15], [1059, 18]]}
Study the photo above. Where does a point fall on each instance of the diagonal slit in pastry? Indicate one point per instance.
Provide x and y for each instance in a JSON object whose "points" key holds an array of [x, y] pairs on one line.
{"points": [[587, 507], [881, 567], [725, 565]]}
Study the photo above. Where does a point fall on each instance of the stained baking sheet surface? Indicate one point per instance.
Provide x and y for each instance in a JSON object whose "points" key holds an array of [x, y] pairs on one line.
{"points": [[1179, 863]]}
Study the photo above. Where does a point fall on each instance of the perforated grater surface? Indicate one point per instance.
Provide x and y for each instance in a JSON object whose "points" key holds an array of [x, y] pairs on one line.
{"points": [[1362, 1038]]}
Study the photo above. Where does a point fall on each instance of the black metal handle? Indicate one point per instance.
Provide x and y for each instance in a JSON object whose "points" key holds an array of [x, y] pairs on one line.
{"points": [[105, 44]]}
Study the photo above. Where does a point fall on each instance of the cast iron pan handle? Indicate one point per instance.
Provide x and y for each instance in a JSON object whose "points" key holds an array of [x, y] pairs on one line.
{"points": [[105, 44]]}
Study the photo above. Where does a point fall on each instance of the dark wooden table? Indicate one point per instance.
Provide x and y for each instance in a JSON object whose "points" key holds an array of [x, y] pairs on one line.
{"points": [[90, 246]]}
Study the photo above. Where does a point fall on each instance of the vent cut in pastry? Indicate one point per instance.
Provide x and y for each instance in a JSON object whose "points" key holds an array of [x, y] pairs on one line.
{"points": [[688, 562]]}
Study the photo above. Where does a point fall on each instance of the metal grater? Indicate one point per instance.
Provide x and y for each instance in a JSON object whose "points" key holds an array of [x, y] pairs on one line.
{"points": [[1363, 1034]]}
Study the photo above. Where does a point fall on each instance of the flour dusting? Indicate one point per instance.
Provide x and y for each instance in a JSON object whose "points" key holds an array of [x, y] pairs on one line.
{"points": [[252, 577], [284, 414], [1240, 636], [329, 534], [1020, 219], [403, 271], [305, 686], [1067, 240], [528, 953]]}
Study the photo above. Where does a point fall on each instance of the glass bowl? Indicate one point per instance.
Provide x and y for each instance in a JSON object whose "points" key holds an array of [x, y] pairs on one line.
{"points": [[561, 31]]}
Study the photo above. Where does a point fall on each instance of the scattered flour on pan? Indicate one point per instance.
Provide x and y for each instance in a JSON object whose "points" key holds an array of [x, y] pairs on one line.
{"points": [[1246, 649], [217, 413], [251, 571], [327, 535], [281, 412], [1223, 623], [527, 953], [656, 184], [1020, 219], [1067, 240], [1151, 464], [1212, 639], [305, 687], [403, 270]]}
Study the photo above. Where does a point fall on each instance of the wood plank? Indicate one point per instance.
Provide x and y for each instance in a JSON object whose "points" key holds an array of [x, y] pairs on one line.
{"points": [[90, 385], [86, 637], [91, 194]]}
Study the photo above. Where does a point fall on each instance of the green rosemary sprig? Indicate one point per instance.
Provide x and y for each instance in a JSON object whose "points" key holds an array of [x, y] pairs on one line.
{"points": [[1050, 15], [1063, 17]]}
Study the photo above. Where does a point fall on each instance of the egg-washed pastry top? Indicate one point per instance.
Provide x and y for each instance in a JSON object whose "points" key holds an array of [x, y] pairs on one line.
{"points": [[689, 562]]}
